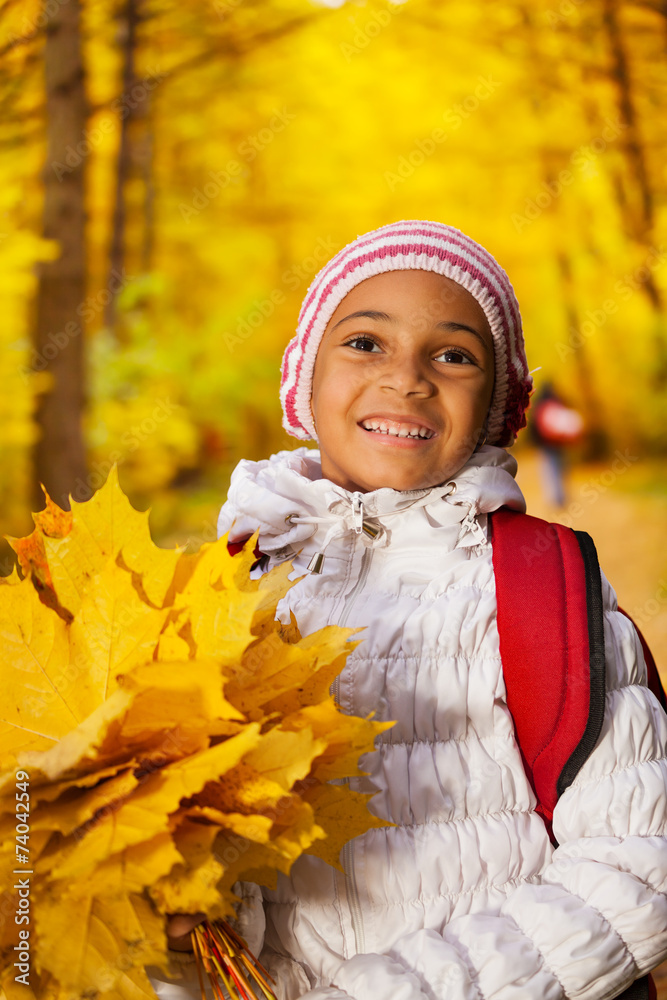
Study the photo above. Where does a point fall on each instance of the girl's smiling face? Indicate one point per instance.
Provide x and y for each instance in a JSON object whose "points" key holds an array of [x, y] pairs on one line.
{"points": [[403, 382]]}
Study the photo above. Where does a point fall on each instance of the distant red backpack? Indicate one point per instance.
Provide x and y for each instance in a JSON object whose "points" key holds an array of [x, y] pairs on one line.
{"points": [[550, 627], [556, 423]]}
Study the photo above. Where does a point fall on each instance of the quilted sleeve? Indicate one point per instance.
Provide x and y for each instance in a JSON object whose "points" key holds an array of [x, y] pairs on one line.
{"points": [[597, 920]]}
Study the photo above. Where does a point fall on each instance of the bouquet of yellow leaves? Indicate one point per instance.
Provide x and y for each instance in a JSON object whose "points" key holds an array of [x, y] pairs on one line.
{"points": [[161, 736]]}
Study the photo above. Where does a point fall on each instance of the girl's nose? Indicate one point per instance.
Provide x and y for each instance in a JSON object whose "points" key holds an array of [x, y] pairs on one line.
{"points": [[407, 375]]}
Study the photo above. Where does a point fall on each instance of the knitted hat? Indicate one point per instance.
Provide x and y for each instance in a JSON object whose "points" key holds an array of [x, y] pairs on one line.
{"points": [[427, 246]]}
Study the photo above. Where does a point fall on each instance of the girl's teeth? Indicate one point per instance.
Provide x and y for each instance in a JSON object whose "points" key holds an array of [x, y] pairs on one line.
{"points": [[382, 427]]}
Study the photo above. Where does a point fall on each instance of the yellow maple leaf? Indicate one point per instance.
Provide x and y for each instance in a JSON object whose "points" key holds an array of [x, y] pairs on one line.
{"points": [[192, 884], [343, 814], [284, 756], [275, 676], [146, 812], [70, 813], [295, 829], [52, 522], [346, 737], [175, 736], [118, 936], [112, 631], [129, 867], [244, 790], [100, 528], [36, 668], [219, 627]]}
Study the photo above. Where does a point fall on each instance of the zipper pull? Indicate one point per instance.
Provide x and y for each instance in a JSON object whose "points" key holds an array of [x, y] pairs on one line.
{"points": [[358, 512], [470, 523]]}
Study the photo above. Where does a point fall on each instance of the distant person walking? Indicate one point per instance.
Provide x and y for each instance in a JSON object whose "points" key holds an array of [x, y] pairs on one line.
{"points": [[554, 428]]}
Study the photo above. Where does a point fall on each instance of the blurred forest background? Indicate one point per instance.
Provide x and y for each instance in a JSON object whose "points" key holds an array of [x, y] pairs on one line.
{"points": [[173, 175]]}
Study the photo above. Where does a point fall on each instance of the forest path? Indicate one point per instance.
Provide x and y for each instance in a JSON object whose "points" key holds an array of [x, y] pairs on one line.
{"points": [[626, 515]]}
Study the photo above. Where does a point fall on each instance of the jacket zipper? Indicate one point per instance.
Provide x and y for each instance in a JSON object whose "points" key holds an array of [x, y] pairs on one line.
{"points": [[351, 885], [352, 596]]}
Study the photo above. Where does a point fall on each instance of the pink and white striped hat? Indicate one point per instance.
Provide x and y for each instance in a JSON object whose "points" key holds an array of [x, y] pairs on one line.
{"points": [[428, 246]]}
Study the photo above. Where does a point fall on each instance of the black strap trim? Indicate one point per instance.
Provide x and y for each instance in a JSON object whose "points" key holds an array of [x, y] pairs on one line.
{"points": [[639, 990], [594, 610]]}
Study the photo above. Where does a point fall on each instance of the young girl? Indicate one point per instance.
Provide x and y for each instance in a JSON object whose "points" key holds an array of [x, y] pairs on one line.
{"points": [[408, 368]]}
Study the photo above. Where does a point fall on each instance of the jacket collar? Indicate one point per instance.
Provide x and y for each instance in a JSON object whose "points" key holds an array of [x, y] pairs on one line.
{"points": [[264, 494]]}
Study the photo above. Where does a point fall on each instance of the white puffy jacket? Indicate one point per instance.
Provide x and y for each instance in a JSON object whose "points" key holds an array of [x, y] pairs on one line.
{"points": [[465, 898]]}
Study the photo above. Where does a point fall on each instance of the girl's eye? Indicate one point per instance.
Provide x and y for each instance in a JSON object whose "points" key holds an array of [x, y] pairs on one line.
{"points": [[362, 344], [454, 357]]}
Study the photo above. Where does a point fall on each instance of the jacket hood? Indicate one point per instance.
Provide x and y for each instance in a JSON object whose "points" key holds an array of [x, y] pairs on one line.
{"points": [[273, 493]]}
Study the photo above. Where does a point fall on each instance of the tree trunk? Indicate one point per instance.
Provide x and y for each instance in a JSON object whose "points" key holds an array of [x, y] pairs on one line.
{"points": [[637, 206], [129, 19], [149, 203], [59, 456], [641, 220]]}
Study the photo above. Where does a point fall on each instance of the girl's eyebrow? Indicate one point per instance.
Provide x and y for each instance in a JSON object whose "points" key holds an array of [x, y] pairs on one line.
{"points": [[448, 325], [368, 313]]}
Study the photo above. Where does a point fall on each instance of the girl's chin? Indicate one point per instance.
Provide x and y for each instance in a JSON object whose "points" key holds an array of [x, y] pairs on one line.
{"points": [[401, 469], [385, 475]]}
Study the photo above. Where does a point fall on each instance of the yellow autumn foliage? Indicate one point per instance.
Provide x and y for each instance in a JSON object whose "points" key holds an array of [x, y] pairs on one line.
{"points": [[254, 142], [172, 736]]}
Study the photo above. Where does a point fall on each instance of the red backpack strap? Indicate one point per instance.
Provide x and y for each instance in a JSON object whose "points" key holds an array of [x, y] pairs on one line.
{"points": [[551, 631], [550, 626], [654, 681]]}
